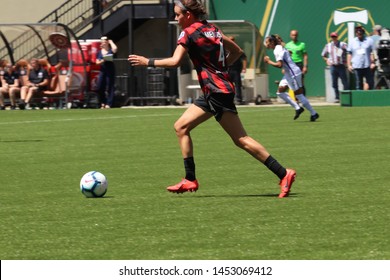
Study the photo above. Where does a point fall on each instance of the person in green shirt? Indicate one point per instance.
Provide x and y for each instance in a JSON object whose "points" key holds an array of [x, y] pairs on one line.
{"points": [[298, 53]]}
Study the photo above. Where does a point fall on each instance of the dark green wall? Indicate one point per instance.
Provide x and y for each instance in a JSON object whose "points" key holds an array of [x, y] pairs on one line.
{"points": [[312, 18]]}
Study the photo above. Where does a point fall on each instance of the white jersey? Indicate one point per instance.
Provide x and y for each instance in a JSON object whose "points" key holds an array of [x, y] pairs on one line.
{"points": [[292, 73], [290, 68]]}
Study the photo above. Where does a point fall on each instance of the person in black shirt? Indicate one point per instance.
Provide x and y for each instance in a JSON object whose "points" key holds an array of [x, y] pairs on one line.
{"points": [[38, 80], [10, 85], [106, 79], [235, 70]]}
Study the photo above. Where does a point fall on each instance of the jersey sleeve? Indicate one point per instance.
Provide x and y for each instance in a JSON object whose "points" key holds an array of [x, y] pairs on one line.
{"points": [[325, 51], [304, 50], [99, 55], [278, 52], [45, 74], [183, 39]]}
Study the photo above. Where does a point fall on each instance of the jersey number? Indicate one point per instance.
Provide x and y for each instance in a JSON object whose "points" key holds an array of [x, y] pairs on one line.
{"points": [[221, 54]]}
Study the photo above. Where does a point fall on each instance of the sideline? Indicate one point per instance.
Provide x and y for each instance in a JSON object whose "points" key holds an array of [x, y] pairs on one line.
{"points": [[274, 104], [314, 101]]}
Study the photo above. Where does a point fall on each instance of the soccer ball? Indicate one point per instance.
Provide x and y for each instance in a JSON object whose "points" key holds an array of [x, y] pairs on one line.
{"points": [[93, 184]]}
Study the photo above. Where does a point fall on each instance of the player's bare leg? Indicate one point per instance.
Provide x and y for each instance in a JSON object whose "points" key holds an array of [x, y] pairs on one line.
{"points": [[231, 123], [190, 119]]}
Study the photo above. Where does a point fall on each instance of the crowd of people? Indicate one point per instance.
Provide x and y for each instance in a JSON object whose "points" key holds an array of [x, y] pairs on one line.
{"points": [[31, 83], [359, 57], [26, 81], [358, 60]]}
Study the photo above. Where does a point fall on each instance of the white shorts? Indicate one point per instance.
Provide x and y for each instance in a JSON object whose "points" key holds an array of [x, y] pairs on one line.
{"points": [[294, 83]]}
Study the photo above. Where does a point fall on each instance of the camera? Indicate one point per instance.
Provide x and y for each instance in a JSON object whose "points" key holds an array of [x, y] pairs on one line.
{"points": [[383, 52], [383, 56]]}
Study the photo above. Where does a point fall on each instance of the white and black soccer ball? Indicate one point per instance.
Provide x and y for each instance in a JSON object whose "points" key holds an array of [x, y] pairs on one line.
{"points": [[93, 184]]}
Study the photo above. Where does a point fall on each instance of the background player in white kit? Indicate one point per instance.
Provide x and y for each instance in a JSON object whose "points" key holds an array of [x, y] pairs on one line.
{"points": [[292, 76]]}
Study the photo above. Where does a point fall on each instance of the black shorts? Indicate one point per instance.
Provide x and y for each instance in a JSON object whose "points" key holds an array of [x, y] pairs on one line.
{"points": [[217, 104]]}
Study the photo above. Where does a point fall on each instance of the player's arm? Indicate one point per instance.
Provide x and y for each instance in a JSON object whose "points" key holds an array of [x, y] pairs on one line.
{"points": [[99, 59], [244, 63], [2, 80], [233, 50], [16, 83], [277, 64], [44, 83], [113, 46], [173, 61], [349, 62], [305, 62]]}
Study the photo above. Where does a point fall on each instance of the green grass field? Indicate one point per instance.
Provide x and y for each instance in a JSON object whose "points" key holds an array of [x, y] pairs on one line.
{"points": [[338, 208]]}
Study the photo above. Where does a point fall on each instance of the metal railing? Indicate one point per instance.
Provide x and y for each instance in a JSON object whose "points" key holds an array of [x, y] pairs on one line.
{"points": [[78, 15]]}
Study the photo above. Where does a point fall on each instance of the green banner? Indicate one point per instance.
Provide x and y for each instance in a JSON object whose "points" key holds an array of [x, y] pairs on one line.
{"points": [[314, 20]]}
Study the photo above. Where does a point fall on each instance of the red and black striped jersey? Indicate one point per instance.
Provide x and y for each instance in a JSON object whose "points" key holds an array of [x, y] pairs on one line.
{"points": [[205, 47]]}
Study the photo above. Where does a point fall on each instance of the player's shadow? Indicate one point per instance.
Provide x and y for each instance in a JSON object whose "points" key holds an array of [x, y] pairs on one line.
{"points": [[273, 195]]}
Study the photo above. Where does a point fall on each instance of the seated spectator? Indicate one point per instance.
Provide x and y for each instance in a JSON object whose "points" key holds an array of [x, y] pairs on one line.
{"points": [[23, 67], [10, 86], [38, 80], [2, 64]]}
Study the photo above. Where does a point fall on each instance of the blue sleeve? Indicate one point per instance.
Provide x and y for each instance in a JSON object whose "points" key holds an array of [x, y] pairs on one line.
{"points": [[99, 55]]}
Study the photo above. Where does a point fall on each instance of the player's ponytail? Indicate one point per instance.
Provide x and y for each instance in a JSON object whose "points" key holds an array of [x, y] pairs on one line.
{"points": [[277, 39]]}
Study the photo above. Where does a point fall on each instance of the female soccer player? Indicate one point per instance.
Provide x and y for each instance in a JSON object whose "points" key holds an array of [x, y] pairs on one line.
{"points": [[208, 49], [292, 76]]}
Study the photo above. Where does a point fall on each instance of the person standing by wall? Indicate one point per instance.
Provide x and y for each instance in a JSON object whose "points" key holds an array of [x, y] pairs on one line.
{"points": [[360, 58], [106, 79], [376, 34], [376, 37], [237, 69], [335, 56], [207, 47], [299, 55]]}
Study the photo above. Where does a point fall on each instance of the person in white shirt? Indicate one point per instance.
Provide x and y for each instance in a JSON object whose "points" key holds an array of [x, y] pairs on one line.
{"points": [[292, 76], [376, 37], [360, 58], [335, 56]]}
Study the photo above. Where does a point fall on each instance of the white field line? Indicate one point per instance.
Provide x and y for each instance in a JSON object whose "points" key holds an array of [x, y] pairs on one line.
{"points": [[82, 119], [240, 111]]}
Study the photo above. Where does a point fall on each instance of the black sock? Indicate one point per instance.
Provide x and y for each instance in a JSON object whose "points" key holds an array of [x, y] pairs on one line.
{"points": [[275, 167], [189, 166]]}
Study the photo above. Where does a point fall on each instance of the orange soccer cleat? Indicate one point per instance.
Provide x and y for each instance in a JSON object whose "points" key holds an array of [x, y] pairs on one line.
{"points": [[286, 183], [184, 186]]}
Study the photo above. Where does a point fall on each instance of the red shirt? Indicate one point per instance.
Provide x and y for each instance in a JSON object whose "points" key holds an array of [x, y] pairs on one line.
{"points": [[205, 48]]}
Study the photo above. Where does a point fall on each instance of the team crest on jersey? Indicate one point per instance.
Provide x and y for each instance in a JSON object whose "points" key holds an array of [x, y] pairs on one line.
{"points": [[181, 35]]}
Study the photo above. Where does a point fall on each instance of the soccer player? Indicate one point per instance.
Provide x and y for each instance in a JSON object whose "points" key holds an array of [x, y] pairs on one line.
{"points": [[292, 75], [208, 48]]}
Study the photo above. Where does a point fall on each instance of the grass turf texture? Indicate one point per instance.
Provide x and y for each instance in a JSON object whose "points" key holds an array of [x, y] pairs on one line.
{"points": [[338, 208]]}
